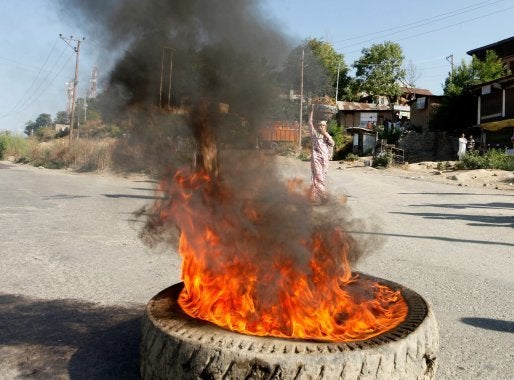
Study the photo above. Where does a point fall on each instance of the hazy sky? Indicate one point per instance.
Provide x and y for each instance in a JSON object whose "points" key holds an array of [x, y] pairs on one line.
{"points": [[35, 64]]}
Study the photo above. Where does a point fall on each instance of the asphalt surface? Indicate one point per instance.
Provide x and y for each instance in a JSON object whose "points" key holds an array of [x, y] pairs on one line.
{"points": [[75, 276]]}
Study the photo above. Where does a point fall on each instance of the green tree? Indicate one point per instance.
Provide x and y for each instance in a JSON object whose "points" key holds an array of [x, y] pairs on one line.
{"points": [[379, 70], [460, 80], [466, 76], [61, 118], [320, 67], [30, 127], [42, 121], [491, 68], [333, 64]]}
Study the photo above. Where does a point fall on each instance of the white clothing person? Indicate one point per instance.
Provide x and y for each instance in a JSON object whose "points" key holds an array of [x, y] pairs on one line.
{"points": [[462, 146]]}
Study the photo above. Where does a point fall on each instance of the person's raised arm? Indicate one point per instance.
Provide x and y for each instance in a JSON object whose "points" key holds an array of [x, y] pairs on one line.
{"points": [[311, 116]]}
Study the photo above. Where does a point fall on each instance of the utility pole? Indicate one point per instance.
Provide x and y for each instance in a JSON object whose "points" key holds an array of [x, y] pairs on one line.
{"points": [[162, 72], [450, 59], [337, 83], [84, 107], [76, 49], [78, 123], [162, 75], [169, 81], [301, 102]]}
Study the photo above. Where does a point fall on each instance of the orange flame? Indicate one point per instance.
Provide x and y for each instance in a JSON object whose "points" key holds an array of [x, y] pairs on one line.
{"points": [[228, 281]]}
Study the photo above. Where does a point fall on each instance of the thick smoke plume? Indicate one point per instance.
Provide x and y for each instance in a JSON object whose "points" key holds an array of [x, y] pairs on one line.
{"points": [[221, 53], [220, 50]]}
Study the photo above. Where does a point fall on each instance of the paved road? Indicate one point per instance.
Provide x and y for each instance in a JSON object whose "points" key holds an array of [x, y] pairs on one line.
{"points": [[74, 275]]}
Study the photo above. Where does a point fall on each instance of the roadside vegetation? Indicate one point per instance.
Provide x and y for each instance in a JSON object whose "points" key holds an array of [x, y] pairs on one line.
{"points": [[492, 159], [13, 146]]}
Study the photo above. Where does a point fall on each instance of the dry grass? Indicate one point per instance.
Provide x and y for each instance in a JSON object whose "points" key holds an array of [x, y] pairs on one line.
{"points": [[82, 155]]}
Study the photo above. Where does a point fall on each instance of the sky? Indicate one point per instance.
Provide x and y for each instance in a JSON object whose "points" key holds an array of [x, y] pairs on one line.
{"points": [[36, 64]]}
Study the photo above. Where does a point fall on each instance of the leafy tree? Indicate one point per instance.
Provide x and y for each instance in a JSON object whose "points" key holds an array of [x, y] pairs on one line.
{"points": [[465, 76], [351, 92], [333, 63], [491, 68], [379, 70], [61, 118], [30, 127], [320, 66], [42, 121], [460, 80]]}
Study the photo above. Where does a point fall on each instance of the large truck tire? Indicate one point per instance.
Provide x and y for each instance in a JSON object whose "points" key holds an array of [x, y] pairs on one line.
{"points": [[176, 346]]}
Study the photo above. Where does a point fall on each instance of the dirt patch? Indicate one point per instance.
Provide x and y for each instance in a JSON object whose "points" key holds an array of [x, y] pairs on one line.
{"points": [[428, 171]]}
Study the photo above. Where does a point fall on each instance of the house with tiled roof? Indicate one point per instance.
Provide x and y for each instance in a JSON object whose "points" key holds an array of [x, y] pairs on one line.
{"points": [[495, 99]]}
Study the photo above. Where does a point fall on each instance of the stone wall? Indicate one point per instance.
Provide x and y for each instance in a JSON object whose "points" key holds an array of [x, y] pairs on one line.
{"points": [[428, 146]]}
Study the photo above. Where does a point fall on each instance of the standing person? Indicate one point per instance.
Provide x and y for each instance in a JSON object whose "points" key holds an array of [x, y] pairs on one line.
{"points": [[321, 152], [462, 146], [471, 143]]}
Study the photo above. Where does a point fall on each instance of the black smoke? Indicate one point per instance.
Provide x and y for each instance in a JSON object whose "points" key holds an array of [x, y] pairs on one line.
{"points": [[225, 50], [221, 52]]}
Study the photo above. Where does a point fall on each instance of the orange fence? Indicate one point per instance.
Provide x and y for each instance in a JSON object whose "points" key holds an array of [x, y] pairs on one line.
{"points": [[281, 131]]}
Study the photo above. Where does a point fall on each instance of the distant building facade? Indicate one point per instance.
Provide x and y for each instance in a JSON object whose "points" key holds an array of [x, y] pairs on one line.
{"points": [[495, 112]]}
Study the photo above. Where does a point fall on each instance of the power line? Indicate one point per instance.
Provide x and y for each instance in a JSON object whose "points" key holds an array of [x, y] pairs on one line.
{"points": [[43, 85], [39, 72], [421, 22], [22, 100], [446, 27], [35, 96], [456, 24]]}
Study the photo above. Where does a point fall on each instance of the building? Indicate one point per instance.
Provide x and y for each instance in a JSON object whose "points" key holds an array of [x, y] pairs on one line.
{"points": [[358, 115], [359, 119], [422, 110], [495, 112], [401, 106]]}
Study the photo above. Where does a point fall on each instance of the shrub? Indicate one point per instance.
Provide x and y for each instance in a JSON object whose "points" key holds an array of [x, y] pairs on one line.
{"points": [[391, 135], [343, 142], [351, 157], [384, 159], [83, 155], [46, 133], [304, 156], [51, 155], [3, 146], [91, 155], [337, 133], [12, 145], [492, 159]]}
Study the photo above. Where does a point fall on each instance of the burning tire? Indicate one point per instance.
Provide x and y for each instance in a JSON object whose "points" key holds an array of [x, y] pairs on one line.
{"points": [[176, 346]]}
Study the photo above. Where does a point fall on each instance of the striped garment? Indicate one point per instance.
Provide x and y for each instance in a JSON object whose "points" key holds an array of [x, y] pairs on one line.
{"points": [[321, 153]]}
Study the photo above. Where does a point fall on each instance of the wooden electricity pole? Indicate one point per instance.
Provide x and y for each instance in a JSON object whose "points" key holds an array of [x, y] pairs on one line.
{"points": [[162, 75], [301, 102], [76, 49], [337, 83], [450, 59]]}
